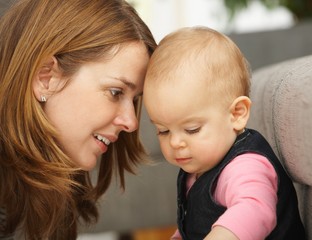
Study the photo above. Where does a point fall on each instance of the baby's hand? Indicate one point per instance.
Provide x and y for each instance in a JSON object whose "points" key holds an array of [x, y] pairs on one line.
{"points": [[219, 232]]}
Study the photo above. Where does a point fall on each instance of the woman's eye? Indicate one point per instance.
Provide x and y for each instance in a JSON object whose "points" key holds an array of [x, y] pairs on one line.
{"points": [[193, 131], [137, 98], [115, 92]]}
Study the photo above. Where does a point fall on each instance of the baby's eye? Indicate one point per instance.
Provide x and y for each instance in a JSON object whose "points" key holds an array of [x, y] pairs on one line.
{"points": [[163, 132], [193, 130]]}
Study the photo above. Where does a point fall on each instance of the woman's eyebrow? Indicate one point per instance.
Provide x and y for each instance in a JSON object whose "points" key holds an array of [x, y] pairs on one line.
{"points": [[129, 84]]}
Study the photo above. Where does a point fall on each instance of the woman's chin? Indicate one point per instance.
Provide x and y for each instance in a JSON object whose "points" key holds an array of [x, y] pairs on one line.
{"points": [[87, 165]]}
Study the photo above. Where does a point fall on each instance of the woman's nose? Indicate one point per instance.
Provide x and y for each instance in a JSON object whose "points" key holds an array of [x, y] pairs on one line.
{"points": [[127, 119]]}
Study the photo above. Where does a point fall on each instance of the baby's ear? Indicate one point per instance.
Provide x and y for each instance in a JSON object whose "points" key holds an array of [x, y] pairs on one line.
{"points": [[46, 79], [240, 110]]}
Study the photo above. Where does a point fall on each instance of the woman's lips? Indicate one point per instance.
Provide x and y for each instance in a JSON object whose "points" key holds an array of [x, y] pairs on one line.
{"points": [[103, 147]]}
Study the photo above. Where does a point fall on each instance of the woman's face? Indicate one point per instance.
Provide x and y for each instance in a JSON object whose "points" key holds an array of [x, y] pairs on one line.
{"points": [[97, 104]]}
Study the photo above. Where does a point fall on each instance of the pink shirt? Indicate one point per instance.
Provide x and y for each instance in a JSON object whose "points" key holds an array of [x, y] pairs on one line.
{"points": [[248, 189]]}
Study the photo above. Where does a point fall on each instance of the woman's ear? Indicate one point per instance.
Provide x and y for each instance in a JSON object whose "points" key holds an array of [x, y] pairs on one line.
{"points": [[240, 110], [46, 79]]}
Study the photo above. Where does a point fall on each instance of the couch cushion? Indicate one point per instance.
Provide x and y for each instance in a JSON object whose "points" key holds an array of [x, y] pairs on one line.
{"points": [[282, 112]]}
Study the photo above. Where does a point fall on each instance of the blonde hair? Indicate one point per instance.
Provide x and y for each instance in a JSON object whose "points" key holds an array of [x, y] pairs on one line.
{"points": [[202, 50], [39, 188]]}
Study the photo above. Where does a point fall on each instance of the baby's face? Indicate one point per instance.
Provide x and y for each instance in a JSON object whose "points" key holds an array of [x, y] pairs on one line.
{"points": [[195, 131]]}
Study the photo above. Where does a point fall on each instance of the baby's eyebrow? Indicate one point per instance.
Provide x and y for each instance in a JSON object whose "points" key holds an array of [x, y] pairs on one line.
{"points": [[153, 122]]}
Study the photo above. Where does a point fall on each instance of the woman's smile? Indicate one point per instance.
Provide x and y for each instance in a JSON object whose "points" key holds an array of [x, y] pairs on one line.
{"points": [[102, 142]]}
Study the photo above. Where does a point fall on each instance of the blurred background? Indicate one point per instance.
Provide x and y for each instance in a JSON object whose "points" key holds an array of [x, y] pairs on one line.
{"points": [[266, 31], [239, 16]]}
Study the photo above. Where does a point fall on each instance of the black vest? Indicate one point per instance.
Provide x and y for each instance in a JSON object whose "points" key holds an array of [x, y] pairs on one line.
{"points": [[198, 211]]}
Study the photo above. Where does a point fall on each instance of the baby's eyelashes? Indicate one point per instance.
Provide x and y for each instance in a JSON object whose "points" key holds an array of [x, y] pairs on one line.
{"points": [[193, 130], [188, 131], [162, 132]]}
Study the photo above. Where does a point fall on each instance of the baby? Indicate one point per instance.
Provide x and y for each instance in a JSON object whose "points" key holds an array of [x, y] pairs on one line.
{"points": [[230, 185]]}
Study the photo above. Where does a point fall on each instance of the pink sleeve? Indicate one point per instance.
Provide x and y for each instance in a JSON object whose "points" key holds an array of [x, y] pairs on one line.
{"points": [[248, 188]]}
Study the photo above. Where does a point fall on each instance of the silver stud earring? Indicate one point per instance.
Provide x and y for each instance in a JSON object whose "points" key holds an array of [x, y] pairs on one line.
{"points": [[43, 99]]}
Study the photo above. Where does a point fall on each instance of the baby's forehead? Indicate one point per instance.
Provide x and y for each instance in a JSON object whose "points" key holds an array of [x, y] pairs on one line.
{"points": [[171, 63], [190, 54]]}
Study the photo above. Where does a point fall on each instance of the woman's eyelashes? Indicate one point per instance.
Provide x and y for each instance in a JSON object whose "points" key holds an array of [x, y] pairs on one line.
{"points": [[116, 92], [113, 94]]}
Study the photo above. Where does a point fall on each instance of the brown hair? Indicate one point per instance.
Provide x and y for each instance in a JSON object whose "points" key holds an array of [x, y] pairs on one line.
{"points": [[39, 188], [223, 66]]}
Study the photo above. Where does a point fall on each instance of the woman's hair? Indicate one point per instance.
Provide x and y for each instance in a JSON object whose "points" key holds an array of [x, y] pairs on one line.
{"points": [[40, 190], [206, 52]]}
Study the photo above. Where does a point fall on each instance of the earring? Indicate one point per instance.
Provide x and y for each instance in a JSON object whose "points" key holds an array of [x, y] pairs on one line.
{"points": [[43, 99]]}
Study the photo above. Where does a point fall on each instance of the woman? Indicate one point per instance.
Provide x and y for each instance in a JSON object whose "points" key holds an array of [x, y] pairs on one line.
{"points": [[71, 81]]}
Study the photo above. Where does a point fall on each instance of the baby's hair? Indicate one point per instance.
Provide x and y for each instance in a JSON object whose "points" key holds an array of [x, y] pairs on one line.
{"points": [[201, 49]]}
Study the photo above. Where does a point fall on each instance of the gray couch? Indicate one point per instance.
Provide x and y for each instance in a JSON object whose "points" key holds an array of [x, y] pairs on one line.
{"points": [[282, 112]]}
